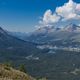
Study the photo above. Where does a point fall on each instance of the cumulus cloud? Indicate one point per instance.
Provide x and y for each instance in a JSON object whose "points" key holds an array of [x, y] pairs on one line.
{"points": [[50, 18], [69, 11]]}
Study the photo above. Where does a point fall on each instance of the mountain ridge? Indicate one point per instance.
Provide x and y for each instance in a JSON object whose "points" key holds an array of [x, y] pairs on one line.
{"points": [[44, 34]]}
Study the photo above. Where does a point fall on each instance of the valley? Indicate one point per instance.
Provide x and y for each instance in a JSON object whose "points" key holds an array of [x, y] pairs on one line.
{"points": [[56, 58]]}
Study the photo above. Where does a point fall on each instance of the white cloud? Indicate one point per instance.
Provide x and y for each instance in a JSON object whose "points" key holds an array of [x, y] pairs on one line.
{"points": [[50, 18], [69, 11]]}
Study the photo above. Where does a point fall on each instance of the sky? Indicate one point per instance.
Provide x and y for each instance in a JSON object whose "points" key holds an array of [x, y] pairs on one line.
{"points": [[24, 15]]}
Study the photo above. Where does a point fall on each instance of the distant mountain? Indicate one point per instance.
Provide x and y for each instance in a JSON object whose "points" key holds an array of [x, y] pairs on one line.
{"points": [[20, 35], [72, 27], [49, 29], [2, 31], [50, 34]]}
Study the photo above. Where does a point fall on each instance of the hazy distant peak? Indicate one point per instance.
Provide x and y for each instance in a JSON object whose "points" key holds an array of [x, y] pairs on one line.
{"points": [[72, 27], [2, 31]]}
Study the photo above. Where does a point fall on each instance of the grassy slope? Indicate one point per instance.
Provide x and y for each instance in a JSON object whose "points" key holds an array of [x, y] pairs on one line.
{"points": [[8, 73]]}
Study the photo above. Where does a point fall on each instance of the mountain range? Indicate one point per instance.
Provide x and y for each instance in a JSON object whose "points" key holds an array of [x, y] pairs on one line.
{"points": [[49, 63], [70, 32]]}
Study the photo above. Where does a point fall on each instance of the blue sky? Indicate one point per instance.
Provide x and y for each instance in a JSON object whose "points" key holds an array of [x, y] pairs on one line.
{"points": [[23, 15]]}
